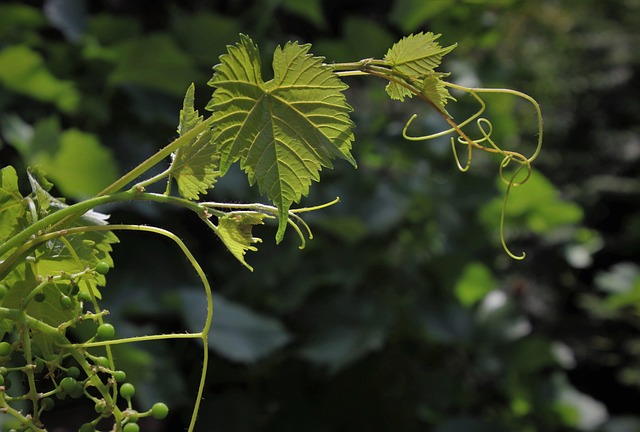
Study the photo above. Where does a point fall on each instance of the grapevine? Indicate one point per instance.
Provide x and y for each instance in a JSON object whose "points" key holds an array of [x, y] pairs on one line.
{"points": [[55, 258]]}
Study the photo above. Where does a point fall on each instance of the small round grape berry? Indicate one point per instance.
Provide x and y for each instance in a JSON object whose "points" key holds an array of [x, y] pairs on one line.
{"points": [[159, 410], [87, 427], [105, 331], [131, 427], [100, 406], [102, 361], [84, 296], [68, 384], [119, 376], [102, 268], [1, 380], [77, 392], [5, 349], [47, 404], [65, 302], [73, 372], [3, 291], [127, 390]]}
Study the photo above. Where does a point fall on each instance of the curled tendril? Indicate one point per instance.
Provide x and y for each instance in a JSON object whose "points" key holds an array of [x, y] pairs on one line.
{"points": [[487, 144]]}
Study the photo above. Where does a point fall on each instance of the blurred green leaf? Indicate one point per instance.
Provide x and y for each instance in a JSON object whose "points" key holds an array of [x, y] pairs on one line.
{"points": [[18, 23], [24, 71], [155, 62], [536, 205], [238, 333], [205, 35], [309, 9], [410, 15], [81, 166], [474, 283]]}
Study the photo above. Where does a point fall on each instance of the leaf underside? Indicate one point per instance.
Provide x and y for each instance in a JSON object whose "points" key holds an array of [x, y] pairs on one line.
{"points": [[235, 232], [283, 131]]}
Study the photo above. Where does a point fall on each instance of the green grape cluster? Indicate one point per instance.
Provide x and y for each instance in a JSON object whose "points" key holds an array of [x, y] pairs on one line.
{"points": [[74, 370]]}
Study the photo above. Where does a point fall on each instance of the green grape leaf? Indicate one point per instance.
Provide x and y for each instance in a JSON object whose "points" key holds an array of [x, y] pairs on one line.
{"points": [[282, 131], [434, 90], [49, 311], [12, 205], [415, 56], [235, 232], [194, 165], [189, 116], [72, 253]]}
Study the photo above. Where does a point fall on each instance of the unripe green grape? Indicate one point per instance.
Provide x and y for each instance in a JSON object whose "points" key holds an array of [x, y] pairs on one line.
{"points": [[84, 296], [127, 390], [68, 384], [77, 392], [1, 380], [73, 372], [134, 417], [47, 404], [5, 349], [87, 427], [39, 365], [3, 370], [131, 427], [100, 406], [65, 302], [159, 410], [119, 376], [105, 331], [102, 268], [3, 291], [102, 361]]}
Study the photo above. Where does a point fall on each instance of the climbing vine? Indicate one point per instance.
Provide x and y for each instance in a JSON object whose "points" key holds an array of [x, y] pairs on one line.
{"points": [[54, 256]]}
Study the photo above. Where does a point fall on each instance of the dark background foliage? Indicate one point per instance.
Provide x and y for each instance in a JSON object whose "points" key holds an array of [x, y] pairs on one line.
{"points": [[403, 313]]}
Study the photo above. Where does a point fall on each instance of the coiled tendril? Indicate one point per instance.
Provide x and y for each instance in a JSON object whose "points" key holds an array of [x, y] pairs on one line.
{"points": [[487, 144]]}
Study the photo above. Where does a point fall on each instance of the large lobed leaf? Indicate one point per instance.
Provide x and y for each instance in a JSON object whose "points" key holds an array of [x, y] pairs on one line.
{"points": [[195, 165], [282, 131]]}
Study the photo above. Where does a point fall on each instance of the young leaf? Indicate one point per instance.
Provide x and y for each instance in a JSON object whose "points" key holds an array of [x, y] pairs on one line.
{"points": [[195, 165], [282, 131], [434, 90], [235, 232], [416, 56]]}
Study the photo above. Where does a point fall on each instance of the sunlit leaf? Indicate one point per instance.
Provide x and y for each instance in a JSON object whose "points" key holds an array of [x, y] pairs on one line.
{"points": [[194, 165], [434, 90], [282, 131], [235, 231], [417, 56]]}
